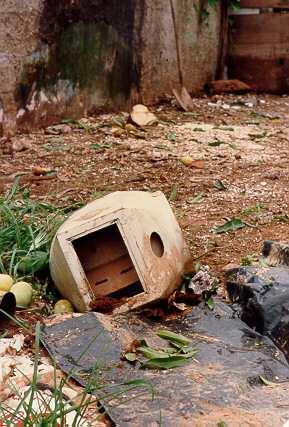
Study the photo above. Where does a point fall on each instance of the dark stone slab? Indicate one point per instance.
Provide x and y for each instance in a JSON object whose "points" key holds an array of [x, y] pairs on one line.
{"points": [[226, 373], [263, 296]]}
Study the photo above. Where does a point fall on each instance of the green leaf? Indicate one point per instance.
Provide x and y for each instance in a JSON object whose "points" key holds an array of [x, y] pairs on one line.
{"points": [[257, 135], [174, 193], [233, 146], [231, 225], [99, 147], [257, 210], [151, 353], [197, 199], [69, 121], [216, 143], [33, 262], [141, 383], [267, 382], [219, 185], [210, 303], [172, 136], [173, 337], [169, 363]]}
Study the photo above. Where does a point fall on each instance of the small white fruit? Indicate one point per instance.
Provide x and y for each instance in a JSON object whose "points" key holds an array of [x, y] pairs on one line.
{"points": [[63, 306], [6, 282], [23, 293]]}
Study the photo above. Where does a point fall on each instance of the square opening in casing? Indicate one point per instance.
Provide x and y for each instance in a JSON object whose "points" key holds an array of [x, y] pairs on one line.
{"points": [[107, 264]]}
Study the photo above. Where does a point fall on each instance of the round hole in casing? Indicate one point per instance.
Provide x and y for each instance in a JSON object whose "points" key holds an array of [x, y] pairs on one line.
{"points": [[157, 244]]}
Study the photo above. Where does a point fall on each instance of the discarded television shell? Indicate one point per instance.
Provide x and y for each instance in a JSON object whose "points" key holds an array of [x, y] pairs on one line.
{"points": [[126, 245]]}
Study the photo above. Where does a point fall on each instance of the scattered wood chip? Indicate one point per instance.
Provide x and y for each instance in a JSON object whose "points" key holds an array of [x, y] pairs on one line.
{"points": [[141, 116]]}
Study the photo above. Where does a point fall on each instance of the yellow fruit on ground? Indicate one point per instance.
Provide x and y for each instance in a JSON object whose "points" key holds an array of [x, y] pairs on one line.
{"points": [[23, 293], [187, 160], [6, 282], [63, 306]]}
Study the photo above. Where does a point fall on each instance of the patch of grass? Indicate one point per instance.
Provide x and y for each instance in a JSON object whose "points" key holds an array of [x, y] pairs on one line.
{"points": [[283, 218], [255, 210], [27, 228], [250, 259]]}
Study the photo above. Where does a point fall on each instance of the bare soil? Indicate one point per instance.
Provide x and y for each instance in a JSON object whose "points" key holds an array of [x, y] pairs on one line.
{"points": [[242, 140]]}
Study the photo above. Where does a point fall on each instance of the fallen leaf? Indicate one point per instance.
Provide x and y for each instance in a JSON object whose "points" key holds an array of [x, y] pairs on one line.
{"points": [[198, 164], [58, 129], [174, 192], [39, 170], [173, 337], [216, 143], [21, 145], [168, 363], [198, 198], [267, 382], [219, 185], [172, 136], [231, 225], [210, 303]]}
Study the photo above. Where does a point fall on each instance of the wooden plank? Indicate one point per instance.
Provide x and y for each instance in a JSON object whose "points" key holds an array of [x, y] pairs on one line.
{"points": [[113, 276], [264, 35], [284, 4], [259, 53]]}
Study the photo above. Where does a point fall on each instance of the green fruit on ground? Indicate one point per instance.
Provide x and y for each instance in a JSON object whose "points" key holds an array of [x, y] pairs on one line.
{"points": [[23, 293], [63, 306], [6, 282]]}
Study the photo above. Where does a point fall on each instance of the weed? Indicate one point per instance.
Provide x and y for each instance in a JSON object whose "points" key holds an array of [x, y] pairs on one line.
{"points": [[256, 210], [282, 218], [249, 259], [27, 228]]}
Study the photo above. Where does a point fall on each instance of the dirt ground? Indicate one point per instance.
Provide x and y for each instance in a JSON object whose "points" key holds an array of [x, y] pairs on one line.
{"points": [[241, 140], [238, 149]]}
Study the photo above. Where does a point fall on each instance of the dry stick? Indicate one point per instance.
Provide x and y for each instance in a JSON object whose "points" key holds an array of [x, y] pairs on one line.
{"points": [[208, 252], [177, 43]]}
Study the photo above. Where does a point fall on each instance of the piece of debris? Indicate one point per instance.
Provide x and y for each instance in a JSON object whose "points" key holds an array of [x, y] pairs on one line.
{"points": [[126, 246], [141, 116], [184, 99], [276, 253], [58, 129], [9, 346], [20, 145], [203, 281], [228, 86], [7, 305]]}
